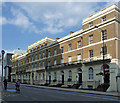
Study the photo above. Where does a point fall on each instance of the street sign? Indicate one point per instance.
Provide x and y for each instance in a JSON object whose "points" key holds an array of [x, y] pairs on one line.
{"points": [[3, 52]]}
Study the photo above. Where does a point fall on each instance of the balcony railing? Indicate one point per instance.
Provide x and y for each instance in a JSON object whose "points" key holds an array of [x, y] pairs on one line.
{"points": [[96, 58], [64, 64]]}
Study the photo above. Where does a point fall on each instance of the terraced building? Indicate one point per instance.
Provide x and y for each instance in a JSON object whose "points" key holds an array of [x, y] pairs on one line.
{"points": [[88, 58]]}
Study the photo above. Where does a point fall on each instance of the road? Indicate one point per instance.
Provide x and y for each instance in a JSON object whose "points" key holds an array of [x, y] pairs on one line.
{"points": [[31, 93]]}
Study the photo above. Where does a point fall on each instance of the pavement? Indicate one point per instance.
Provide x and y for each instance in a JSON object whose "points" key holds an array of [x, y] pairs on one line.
{"points": [[116, 94]]}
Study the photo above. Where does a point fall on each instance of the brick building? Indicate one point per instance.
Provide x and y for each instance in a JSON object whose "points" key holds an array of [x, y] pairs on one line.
{"points": [[77, 59]]}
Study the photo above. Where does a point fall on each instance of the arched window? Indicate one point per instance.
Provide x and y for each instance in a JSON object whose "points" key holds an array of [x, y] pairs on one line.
{"points": [[90, 73], [70, 74]]}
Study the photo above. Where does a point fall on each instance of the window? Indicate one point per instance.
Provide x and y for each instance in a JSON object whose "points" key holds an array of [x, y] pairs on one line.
{"points": [[35, 65], [36, 47], [39, 76], [78, 44], [48, 63], [43, 64], [32, 58], [90, 53], [103, 18], [104, 35], [40, 56], [43, 55], [61, 49], [61, 60], [32, 66], [70, 74], [29, 59], [90, 73], [55, 75], [26, 67], [90, 24], [69, 60], [29, 67], [54, 62], [90, 39], [43, 44], [48, 53], [43, 76], [70, 47], [23, 62], [55, 52], [36, 57], [78, 58], [40, 45], [104, 50], [39, 64]]}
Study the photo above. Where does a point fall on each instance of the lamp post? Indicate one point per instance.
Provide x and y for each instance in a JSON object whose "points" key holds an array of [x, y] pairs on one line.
{"points": [[3, 52], [82, 48], [103, 51]]}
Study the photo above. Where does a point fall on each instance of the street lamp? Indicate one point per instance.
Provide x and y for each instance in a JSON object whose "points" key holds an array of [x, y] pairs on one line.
{"points": [[82, 48], [103, 51], [3, 52]]}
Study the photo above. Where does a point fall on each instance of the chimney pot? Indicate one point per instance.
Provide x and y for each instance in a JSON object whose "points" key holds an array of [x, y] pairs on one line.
{"points": [[71, 32]]}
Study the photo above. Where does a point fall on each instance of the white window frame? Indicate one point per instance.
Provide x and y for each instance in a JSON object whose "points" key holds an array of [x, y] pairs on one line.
{"points": [[39, 64], [69, 47], [90, 53], [103, 18], [35, 65], [55, 62], [48, 53], [78, 44], [90, 24], [105, 35], [55, 51], [40, 56], [62, 61], [62, 49], [36, 57], [32, 58], [78, 58], [43, 64], [43, 54], [70, 74], [69, 59], [48, 63], [91, 39], [105, 50], [90, 74]]}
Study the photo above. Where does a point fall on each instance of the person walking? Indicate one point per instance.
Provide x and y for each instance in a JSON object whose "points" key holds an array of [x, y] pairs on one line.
{"points": [[5, 84], [18, 85]]}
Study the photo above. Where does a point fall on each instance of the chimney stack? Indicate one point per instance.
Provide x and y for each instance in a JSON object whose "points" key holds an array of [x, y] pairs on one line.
{"points": [[57, 38], [71, 32]]}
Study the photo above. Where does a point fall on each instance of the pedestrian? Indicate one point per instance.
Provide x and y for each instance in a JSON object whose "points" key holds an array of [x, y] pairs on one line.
{"points": [[18, 85], [5, 84]]}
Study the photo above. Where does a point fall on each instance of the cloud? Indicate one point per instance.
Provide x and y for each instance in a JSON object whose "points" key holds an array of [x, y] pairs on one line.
{"points": [[42, 17], [19, 19]]}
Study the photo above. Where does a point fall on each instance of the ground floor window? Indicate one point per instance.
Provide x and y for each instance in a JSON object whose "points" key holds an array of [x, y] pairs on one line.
{"points": [[90, 73]]}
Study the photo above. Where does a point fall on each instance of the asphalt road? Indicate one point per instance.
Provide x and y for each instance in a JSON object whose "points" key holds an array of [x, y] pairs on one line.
{"points": [[32, 93]]}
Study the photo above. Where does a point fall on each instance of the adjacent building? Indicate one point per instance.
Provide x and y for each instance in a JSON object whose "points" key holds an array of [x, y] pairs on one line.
{"points": [[88, 58], [8, 65]]}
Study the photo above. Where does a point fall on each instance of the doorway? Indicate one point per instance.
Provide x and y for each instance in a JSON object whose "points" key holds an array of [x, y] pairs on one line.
{"points": [[49, 79], [80, 78]]}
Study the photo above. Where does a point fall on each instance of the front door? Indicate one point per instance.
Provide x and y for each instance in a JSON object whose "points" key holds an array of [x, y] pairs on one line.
{"points": [[62, 79], [80, 78], [49, 79]]}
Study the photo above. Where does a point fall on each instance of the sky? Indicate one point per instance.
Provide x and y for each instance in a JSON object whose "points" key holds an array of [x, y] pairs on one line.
{"points": [[23, 23]]}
